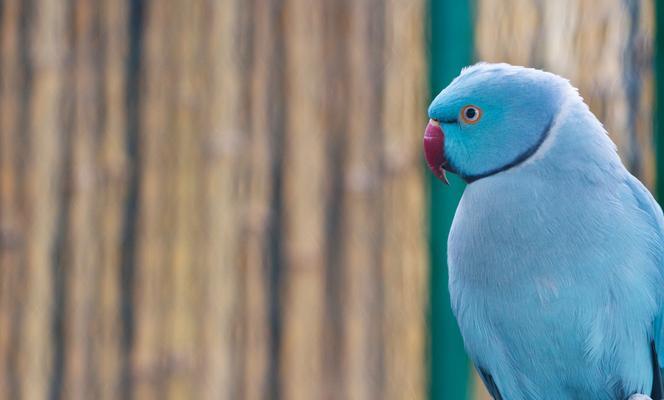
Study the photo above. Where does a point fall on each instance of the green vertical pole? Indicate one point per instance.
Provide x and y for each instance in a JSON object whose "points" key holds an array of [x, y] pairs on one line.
{"points": [[450, 49], [658, 131]]}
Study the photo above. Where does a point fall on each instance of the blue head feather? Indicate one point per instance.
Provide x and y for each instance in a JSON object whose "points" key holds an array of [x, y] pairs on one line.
{"points": [[517, 106]]}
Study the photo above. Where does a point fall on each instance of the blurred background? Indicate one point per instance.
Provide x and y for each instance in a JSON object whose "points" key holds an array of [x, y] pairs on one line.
{"points": [[227, 199]]}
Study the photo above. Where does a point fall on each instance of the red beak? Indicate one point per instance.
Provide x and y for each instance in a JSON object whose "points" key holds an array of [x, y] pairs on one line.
{"points": [[434, 150]]}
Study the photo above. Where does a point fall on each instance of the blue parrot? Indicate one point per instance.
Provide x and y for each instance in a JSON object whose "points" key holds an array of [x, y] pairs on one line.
{"points": [[556, 252]]}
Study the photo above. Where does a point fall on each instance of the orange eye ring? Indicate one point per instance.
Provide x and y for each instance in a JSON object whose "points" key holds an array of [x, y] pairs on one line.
{"points": [[471, 114]]}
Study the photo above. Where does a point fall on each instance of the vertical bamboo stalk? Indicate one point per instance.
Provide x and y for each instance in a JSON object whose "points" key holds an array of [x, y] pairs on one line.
{"points": [[12, 214], [113, 164], [304, 180], [224, 153], [181, 325], [262, 145], [336, 117], [404, 263], [79, 249], [363, 205], [155, 225], [41, 192]]}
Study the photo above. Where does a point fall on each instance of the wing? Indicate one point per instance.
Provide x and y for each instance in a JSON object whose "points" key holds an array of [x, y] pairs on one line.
{"points": [[490, 384], [657, 389], [653, 213], [648, 205]]}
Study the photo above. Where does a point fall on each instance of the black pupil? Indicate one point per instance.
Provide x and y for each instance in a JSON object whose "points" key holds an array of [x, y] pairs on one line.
{"points": [[470, 113]]}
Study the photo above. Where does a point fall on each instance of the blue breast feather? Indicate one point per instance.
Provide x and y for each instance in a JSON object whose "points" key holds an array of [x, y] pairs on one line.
{"points": [[556, 270]]}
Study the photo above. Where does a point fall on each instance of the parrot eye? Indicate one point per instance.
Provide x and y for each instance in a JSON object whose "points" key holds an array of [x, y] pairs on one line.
{"points": [[471, 114]]}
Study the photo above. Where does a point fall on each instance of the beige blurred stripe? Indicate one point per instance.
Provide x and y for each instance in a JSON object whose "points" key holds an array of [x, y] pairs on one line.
{"points": [[153, 289], [404, 265], [305, 191], [110, 193], [79, 271], [12, 214], [41, 192], [363, 304]]}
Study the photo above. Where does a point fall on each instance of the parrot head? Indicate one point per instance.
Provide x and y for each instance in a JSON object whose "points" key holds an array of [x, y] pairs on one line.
{"points": [[491, 118]]}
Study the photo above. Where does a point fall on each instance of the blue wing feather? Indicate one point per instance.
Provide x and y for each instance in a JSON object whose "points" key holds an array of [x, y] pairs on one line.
{"points": [[653, 212]]}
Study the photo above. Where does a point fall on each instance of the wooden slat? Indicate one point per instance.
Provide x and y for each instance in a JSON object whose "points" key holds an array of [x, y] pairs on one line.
{"points": [[12, 214], [111, 192], [41, 191], [263, 136], [363, 230], [77, 269], [222, 148], [304, 189], [153, 284], [181, 380], [404, 263], [336, 118]]}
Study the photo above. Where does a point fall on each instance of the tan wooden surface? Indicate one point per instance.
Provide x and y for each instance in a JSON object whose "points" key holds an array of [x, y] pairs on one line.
{"points": [[212, 199]]}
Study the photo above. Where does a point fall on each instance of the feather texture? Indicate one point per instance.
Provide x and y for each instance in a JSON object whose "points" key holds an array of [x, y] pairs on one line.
{"points": [[556, 262]]}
